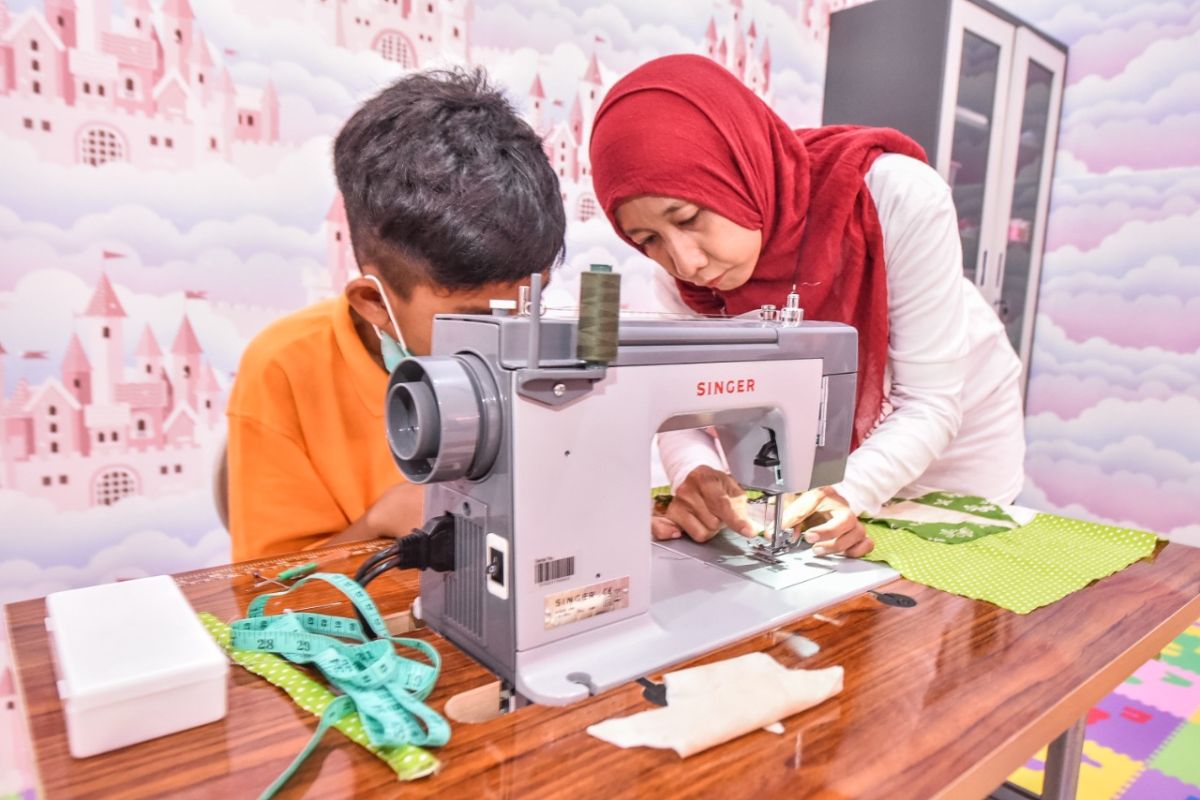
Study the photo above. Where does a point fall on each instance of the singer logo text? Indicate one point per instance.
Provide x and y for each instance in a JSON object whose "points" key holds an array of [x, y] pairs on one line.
{"points": [[739, 386]]}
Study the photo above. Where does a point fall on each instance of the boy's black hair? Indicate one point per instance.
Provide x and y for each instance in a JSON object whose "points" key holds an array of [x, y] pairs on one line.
{"points": [[444, 184]]}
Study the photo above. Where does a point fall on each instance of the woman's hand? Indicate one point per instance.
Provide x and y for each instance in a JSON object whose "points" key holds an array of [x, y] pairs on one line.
{"points": [[663, 529], [707, 501], [841, 532]]}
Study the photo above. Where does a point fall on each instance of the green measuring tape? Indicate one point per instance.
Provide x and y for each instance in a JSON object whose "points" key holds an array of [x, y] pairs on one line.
{"points": [[385, 688]]}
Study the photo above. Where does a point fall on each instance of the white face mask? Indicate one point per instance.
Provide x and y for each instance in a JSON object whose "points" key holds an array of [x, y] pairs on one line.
{"points": [[393, 350]]}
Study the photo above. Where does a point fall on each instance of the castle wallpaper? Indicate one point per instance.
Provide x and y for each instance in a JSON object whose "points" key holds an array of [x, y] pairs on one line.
{"points": [[167, 191]]}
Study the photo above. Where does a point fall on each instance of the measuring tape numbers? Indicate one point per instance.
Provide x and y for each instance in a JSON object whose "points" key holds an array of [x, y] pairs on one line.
{"points": [[386, 689]]}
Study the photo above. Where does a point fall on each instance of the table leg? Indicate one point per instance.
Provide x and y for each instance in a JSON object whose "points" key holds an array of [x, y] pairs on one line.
{"points": [[1062, 763]]}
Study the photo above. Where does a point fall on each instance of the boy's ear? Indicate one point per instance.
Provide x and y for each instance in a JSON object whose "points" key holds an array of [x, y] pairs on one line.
{"points": [[365, 298]]}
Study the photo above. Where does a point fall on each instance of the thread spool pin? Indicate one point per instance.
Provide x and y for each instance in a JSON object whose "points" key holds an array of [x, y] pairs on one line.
{"points": [[791, 314]]}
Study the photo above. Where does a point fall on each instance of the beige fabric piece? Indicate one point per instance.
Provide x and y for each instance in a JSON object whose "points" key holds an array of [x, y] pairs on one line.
{"points": [[712, 704]]}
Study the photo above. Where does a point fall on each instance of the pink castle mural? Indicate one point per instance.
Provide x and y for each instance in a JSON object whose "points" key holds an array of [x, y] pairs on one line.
{"points": [[736, 45], [412, 33], [813, 15], [102, 431], [565, 136], [742, 52], [338, 253], [87, 88], [565, 139]]}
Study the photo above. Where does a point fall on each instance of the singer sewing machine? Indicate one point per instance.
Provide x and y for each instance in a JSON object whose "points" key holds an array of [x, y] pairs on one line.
{"points": [[541, 463]]}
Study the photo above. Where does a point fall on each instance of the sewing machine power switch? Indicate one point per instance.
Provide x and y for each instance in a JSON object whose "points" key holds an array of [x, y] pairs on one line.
{"points": [[497, 565]]}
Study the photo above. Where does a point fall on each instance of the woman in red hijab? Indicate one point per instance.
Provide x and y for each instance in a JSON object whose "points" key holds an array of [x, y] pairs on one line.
{"points": [[699, 174]]}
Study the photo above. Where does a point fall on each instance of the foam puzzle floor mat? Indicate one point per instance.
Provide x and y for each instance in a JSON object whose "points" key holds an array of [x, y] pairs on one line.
{"points": [[1143, 740]]}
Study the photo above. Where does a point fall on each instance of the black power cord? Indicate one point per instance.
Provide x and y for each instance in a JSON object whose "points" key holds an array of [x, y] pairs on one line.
{"points": [[385, 554], [378, 569], [430, 547]]}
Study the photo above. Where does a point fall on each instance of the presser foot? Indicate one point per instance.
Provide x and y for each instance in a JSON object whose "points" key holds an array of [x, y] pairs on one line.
{"points": [[772, 553], [765, 554], [780, 540]]}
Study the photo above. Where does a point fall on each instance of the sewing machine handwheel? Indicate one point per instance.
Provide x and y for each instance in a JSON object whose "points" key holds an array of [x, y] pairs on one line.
{"points": [[415, 435], [443, 416]]}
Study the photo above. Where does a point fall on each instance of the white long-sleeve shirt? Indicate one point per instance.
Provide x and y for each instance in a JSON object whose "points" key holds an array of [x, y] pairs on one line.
{"points": [[952, 379]]}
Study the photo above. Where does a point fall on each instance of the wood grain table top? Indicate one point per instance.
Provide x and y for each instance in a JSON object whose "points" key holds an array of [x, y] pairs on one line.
{"points": [[944, 699]]}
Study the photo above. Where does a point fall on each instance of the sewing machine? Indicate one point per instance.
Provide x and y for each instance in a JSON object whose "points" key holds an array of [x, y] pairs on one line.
{"points": [[542, 464]]}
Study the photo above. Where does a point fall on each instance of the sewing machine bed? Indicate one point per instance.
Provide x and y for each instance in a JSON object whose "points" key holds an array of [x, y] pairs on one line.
{"points": [[736, 554], [702, 597]]}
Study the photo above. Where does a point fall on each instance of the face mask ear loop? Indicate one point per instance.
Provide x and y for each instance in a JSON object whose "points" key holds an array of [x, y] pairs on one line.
{"points": [[387, 305]]}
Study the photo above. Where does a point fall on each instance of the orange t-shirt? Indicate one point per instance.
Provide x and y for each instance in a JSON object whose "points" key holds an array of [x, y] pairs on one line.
{"points": [[307, 447]]}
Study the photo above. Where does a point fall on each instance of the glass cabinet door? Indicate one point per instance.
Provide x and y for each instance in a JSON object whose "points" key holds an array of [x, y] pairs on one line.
{"points": [[979, 59], [1029, 152], [971, 144]]}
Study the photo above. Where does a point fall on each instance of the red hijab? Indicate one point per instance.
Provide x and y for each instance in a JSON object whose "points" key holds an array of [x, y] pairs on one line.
{"points": [[683, 126]]}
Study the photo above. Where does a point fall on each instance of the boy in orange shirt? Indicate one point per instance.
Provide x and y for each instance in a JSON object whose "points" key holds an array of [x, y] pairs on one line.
{"points": [[451, 203]]}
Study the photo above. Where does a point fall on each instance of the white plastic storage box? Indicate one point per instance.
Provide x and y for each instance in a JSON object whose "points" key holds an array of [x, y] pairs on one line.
{"points": [[133, 663]]}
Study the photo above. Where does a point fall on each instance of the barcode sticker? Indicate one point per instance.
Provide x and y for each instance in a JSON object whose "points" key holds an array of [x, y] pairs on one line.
{"points": [[553, 569]]}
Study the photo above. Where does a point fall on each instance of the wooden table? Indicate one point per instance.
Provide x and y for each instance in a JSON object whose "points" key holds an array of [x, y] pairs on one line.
{"points": [[944, 699]]}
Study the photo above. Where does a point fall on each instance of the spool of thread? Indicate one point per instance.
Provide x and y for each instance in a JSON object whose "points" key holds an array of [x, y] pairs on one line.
{"points": [[599, 314]]}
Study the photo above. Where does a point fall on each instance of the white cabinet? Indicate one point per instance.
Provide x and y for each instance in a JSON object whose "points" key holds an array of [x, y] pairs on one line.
{"points": [[981, 91]]}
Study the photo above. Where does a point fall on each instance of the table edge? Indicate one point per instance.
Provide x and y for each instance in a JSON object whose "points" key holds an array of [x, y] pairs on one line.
{"points": [[984, 776]]}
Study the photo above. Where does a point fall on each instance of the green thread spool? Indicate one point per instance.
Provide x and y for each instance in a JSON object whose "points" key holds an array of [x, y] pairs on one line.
{"points": [[599, 314]]}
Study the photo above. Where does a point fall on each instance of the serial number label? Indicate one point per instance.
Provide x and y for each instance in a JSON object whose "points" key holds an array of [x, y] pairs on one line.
{"points": [[573, 605]]}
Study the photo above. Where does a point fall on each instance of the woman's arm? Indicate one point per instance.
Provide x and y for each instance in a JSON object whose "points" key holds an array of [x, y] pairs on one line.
{"points": [[928, 336]]}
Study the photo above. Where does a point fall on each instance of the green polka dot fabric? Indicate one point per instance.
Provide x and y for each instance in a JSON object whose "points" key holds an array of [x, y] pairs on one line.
{"points": [[1019, 569], [409, 762]]}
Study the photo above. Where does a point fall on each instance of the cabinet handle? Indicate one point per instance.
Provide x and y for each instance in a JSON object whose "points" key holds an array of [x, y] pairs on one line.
{"points": [[1000, 272], [983, 270]]}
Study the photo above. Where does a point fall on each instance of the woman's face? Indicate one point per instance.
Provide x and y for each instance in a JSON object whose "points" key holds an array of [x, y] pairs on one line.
{"points": [[690, 242]]}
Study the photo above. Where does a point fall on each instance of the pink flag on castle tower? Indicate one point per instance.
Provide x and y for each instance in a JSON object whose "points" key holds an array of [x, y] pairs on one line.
{"points": [[107, 254], [194, 294]]}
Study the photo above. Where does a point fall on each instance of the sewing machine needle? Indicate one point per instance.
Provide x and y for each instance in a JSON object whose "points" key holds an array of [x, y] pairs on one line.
{"points": [[780, 538]]}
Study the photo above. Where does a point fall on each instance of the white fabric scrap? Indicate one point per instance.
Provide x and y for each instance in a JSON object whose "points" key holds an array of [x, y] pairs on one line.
{"points": [[802, 645], [714, 703]]}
